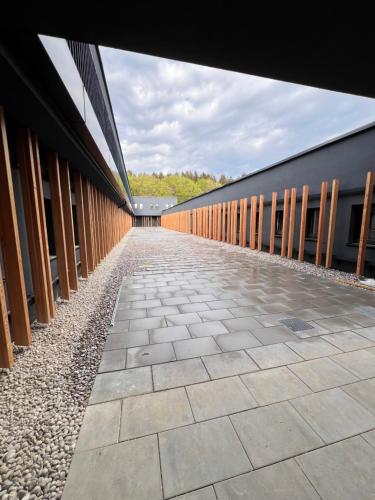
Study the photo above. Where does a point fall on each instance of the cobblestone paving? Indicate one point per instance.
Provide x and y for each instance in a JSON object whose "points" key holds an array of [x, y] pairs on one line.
{"points": [[206, 392]]}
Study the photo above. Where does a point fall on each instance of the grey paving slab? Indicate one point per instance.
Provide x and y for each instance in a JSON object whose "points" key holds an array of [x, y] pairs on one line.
{"points": [[202, 494], [369, 332], [360, 363], [369, 437], [243, 311], [362, 319], [338, 324], [271, 356], [179, 373], [207, 328], [221, 304], [334, 415], [183, 319], [273, 433], [116, 471], [124, 340], [121, 384], [236, 341], [219, 397], [275, 385], [196, 307], [228, 364], [169, 334], [193, 348], [363, 392], [240, 324], [273, 335], [282, 481], [175, 301], [112, 360], [162, 311], [215, 315], [348, 341], [143, 304], [323, 373], [315, 347], [193, 456], [152, 413], [106, 417], [150, 355], [202, 297], [124, 314], [146, 323], [344, 470]]}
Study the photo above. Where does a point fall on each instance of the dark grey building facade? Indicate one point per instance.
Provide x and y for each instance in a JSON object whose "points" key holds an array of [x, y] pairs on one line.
{"points": [[148, 209]]}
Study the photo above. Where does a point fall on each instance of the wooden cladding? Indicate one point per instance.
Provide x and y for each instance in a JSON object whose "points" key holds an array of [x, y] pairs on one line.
{"points": [[219, 222], [100, 225]]}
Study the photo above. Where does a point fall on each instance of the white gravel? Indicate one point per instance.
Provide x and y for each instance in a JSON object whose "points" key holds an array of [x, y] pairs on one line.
{"points": [[43, 398]]}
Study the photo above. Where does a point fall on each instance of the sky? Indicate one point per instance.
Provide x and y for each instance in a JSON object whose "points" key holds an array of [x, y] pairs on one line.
{"points": [[173, 116]]}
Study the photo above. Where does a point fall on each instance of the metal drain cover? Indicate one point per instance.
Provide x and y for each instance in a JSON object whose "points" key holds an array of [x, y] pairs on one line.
{"points": [[296, 324]]}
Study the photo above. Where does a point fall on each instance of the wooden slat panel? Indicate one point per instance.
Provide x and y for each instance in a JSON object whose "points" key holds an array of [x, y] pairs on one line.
{"points": [[87, 220], [6, 350], [322, 216], [210, 221], [260, 222], [219, 222], [332, 221], [234, 221], [43, 225], [243, 222], [223, 226], [70, 243], [33, 227], [284, 234], [229, 221], [58, 224], [77, 179], [302, 231], [292, 221], [273, 222], [20, 324], [366, 213], [253, 222]]}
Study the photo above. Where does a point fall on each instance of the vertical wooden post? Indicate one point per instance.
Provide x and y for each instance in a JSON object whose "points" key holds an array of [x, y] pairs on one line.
{"points": [[273, 222], [366, 214], [285, 223], [6, 351], [243, 217], [32, 218], [210, 222], [332, 221], [229, 222], [302, 231], [224, 208], [81, 224], [219, 223], [43, 224], [234, 221], [260, 222], [214, 220], [87, 220], [292, 219], [66, 199], [253, 222], [322, 215], [9, 236], [58, 224]]}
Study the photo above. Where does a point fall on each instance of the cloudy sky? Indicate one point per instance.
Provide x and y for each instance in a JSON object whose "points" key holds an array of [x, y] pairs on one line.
{"points": [[173, 116]]}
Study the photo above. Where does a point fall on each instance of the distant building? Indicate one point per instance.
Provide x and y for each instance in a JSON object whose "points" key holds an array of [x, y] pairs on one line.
{"points": [[148, 209]]}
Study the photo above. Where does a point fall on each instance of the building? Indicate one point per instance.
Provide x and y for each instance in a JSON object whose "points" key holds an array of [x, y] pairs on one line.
{"points": [[148, 209], [346, 159]]}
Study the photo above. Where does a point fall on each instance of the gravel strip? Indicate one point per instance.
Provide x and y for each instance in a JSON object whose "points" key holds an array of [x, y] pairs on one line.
{"points": [[43, 398]]}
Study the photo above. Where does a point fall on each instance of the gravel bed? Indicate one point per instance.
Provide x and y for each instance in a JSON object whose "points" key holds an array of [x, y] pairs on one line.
{"points": [[44, 396]]}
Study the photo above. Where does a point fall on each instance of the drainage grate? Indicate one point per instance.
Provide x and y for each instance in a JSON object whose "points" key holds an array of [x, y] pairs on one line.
{"points": [[369, 310], [296, 325]]}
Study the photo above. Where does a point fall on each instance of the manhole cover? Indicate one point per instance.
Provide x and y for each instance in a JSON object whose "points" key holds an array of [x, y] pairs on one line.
{"points": [[296, 325]]}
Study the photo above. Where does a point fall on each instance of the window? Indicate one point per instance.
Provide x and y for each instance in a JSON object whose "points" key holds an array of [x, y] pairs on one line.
{"points": [[151, 206], [135, 205], [166, 206], [312, 222], [157, 205], [355, 225], [141, 206], [279, 222]]}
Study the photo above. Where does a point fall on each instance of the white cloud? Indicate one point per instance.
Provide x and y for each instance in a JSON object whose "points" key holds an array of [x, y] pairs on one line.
{"points": [[173, 116]]}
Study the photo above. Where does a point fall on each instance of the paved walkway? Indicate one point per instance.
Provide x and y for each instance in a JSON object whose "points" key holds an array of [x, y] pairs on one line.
{"points": [[228, 377]]}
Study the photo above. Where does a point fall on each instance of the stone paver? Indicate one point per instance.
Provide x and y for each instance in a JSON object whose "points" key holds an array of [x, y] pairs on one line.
{"points": [[203, 393]]}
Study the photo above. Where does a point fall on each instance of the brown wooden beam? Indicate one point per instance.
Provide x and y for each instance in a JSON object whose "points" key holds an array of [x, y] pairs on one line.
{"points": [[253, 222], [366, 214], [284, 233], [260, 222], [88, 224], [33, 227], [81, 224], [10, 243], [6, 350], [302, 231], [58, 224], [273, 222], [332, 221], [322, 216], [292, 220]]}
